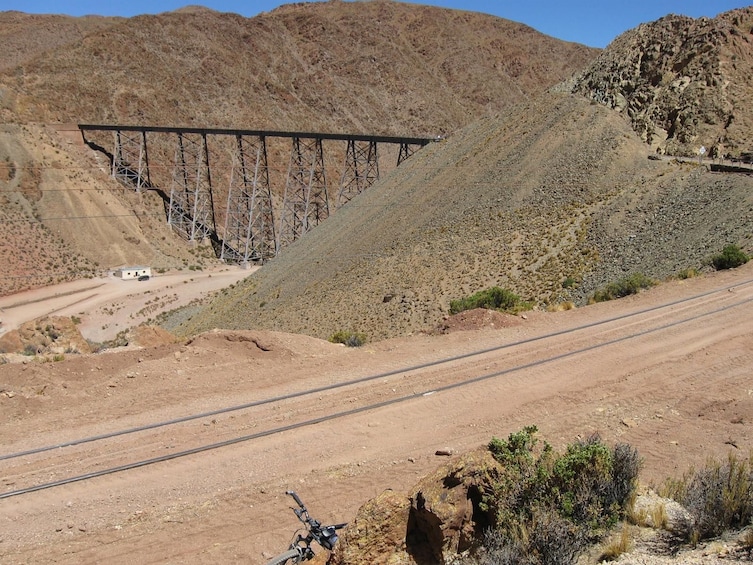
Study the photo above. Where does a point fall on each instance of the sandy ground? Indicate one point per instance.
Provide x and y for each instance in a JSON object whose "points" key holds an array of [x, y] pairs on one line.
{"points": [[109, 304], [670, 371]]}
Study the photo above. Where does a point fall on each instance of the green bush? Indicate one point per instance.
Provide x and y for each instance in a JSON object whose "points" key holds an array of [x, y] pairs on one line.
{"points": [[545, 507], [730, 257], [346, 337], [624, 287], [688, 273], [494, 298], [569, 282]]}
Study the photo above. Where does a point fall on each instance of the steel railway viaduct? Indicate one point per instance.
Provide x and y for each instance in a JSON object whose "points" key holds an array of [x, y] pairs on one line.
{"points": [[219, 180]]}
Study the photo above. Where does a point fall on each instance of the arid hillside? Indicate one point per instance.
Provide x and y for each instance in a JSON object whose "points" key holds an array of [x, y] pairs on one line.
{"points": [[354, 67], [64, 217], [551, 195], [558, 189], [552, 199], [370, 67], [27, 36]]}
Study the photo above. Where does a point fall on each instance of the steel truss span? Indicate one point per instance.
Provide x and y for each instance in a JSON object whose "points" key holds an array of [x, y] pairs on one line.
{"points": [[217, 183]]}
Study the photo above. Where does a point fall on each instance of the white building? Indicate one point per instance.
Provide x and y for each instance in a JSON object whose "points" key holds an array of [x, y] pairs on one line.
{"points": [[129, 273]]}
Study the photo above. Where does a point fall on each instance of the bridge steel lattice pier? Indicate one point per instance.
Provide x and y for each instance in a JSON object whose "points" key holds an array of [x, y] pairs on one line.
{"points": [[305, 204], [191, 211], [361, 169], [220, 184], [249, 220], [130, 152]]}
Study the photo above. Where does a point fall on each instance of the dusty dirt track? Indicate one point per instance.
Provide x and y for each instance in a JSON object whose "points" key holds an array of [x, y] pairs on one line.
{"points": [[108, 304], [669, 371]]}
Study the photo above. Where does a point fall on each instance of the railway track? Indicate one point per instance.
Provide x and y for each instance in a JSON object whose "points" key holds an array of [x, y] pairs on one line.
{"points": [[86, 458]]}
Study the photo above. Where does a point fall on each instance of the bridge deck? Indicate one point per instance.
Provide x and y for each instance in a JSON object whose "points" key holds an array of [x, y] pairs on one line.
{"points": [[262, 133]]}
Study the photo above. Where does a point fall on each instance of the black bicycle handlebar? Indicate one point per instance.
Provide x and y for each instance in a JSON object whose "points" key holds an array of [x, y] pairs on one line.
{"points": [[296, 498]]}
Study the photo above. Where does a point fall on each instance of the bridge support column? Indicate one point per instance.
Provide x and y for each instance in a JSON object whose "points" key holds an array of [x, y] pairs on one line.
{"points": [[130, 164], [249, 222], [305, 203], [191, 211], [406, 150], [361, 169]]}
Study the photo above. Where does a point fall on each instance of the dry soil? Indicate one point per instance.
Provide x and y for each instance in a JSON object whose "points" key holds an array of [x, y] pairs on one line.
{"points": [[668, 371]]}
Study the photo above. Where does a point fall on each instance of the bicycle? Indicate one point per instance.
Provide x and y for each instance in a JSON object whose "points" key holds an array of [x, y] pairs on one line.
{"points": [[300, 548]]}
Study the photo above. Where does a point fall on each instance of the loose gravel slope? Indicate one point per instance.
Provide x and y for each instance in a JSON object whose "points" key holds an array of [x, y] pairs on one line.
{"points": [[557, 189]]}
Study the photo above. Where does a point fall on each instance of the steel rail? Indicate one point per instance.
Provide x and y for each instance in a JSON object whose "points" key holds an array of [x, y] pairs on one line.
{"points": [[365, 408]]}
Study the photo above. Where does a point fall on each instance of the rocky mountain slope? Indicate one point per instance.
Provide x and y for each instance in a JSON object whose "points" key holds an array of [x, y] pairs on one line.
{"points": [[27, 36], [682, 83], [371, 67]]}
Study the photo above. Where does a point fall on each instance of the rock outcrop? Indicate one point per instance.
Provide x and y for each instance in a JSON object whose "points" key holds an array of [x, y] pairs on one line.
{"points": [[441, 518], [680, 82], [55, 335]]}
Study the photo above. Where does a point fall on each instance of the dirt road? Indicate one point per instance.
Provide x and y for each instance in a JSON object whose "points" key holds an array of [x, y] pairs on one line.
{"points": [[108, 304], [231, 420]]}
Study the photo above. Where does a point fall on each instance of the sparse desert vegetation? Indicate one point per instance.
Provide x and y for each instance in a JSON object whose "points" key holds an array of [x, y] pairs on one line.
{"points": [[549, 507], [730, 257], [494, 298], [624, 287], [717, 495], [349, 338]]}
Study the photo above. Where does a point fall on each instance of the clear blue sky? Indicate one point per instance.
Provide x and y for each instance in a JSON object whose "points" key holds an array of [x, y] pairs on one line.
{"points": [[592, 22]]}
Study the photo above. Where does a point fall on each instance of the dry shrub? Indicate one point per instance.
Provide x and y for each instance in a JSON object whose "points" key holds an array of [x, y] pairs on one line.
{"points": [[349, 338], [659, 517], [747, 538], [561, 306], [618, 545], [719, 496], [637, 517], [688, 273]]}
